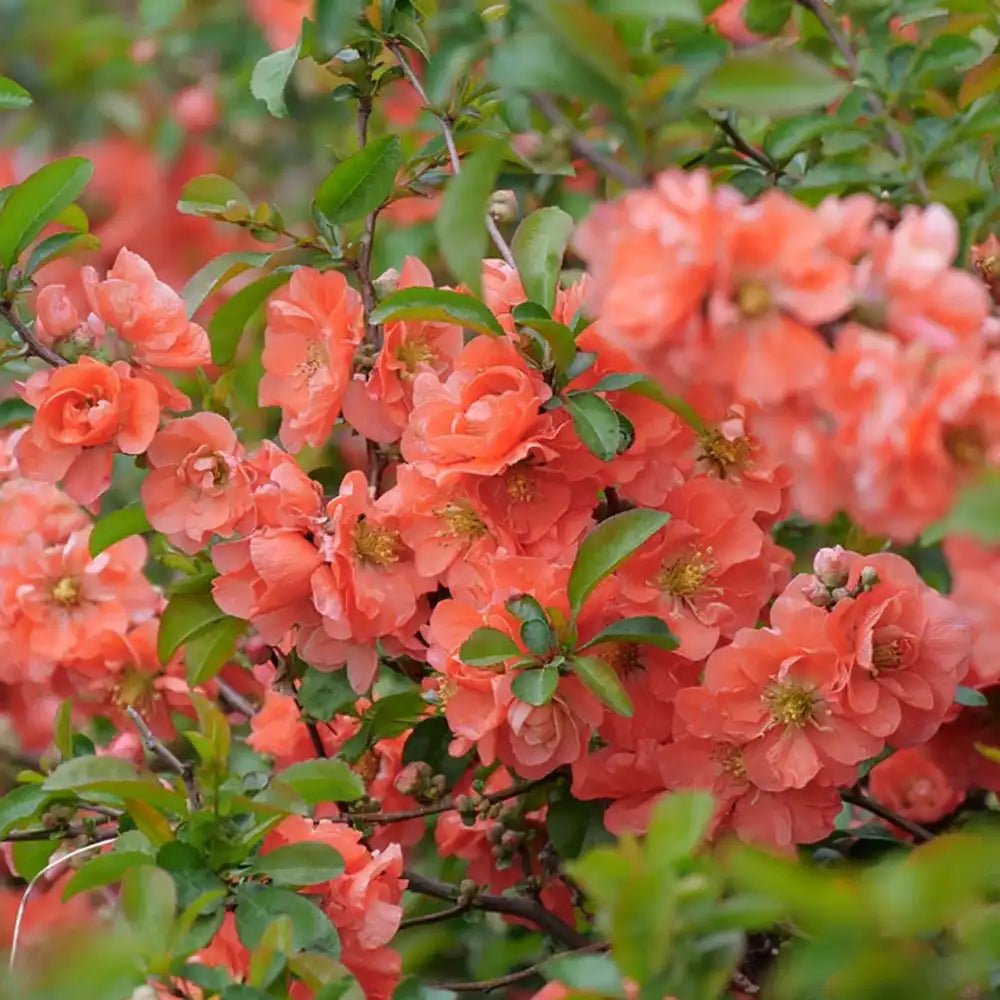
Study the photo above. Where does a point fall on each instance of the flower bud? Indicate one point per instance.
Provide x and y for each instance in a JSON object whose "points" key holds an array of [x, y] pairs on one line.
{"points": [[869, 577], [413, 778], [511, 839], [503, 206], [831, 566], [839, 593], [386, 283], [818, 595]]}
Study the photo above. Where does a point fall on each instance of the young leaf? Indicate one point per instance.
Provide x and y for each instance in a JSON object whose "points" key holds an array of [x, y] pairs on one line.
{"points": [[105, 869], [361, 183], [270, 76], [767, 17], [536, 686], [642, 385], [334, 18], [216, 273], [81, 772], [148, 900], [607, 547], [300, 864], [230, 319], [643, 629], [526, 607], [601, 678], [15, 411], [210, 194], [19, 804], [558, 337], [537, 636], [970, 697], [324, 693], [769, 81], [184, 617], [36, 201], [438, 306], [13, 96], [59, 245], [538, 247], [487, 646], [323, 780], [258, 905], [596, 424], [206, 653], [115, 526], [460, 223]]}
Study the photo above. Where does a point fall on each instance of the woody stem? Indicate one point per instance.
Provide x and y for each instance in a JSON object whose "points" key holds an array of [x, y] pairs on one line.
{"points": [[854, 797], [34, 345], [159, 749]]}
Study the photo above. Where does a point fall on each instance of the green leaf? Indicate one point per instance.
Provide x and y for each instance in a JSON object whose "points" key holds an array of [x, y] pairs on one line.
{"points": [[227, 325], [429, 742], [37, 200], [607, 547], [536, 687], [105, 869], [117, 525], [13, 96], [600, 677], [788, 135], [269, 957], [15, 411], [686, 11], [460, 223], [323, 780], [216, 273], [148, 900], [270, 76], [571, 823], [19, 804], [538, 247], [976, 512], [487, 646], [537, 635], [642, 385], [206, 653], [595, 422], [679, 825], [185, 616], [29, 857], [59, 245], [526, 608], [767, 17], [395, 714], [334, 18], [765, 81], [361, 183], [81, 772], [258, 905], [438, 306], [596, 974], [559, 338], [970, 697], [325, 693], [643, 629], [300, 864], [211, 194], [587, 35]]}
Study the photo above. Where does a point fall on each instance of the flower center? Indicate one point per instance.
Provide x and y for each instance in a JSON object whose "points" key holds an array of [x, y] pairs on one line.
{"points": [[966, 445], [413, 353], [685, 576], [623, 657], [314, 360], [729, 762], [721, 453], [790, 703], [135, 688], [375, 546], [461, 519], [889, 655], [753, 298], [520, 489], [66, 592]]}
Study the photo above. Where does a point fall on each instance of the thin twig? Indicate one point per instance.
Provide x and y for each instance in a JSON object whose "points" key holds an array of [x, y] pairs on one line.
{"points": [[235, 701], [34, 345], [159, 749], [44, 833], [742, 146], [372, 332], [51, 866], [608, 165], [893, 138], [433, 918], [449, 141], [514, 906], [485, 985], [854, 797]]}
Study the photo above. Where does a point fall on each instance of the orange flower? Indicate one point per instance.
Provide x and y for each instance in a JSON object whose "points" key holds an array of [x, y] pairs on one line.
{"points": [[313, 326], [199, 484], [912, 785], [84, 413], [482, 419], [975, 590], [147, 314]]}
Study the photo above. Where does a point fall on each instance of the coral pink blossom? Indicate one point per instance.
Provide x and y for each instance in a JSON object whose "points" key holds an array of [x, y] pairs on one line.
{"points": [[975, 590], [482, 419], [199, 484], [313, 326], [85, 412], [912, 785], [147, 314]]}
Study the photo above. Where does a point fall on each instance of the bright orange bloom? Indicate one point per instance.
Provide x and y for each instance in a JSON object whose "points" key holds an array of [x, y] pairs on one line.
{"points": [[313, 326], [975, 590], [280, 20], [199, 484], [912, 785], [85, 412]]}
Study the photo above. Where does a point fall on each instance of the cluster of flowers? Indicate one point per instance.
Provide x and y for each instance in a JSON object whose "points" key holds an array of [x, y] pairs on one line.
{"points": [[829, 364]]}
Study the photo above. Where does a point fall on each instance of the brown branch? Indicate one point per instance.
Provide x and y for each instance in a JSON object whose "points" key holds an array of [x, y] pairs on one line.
{"points": [[608, 165], [159, 749], [45, 833], [742, 146], [235, 701], [485, 985], [857, 798], [433, 918], [449, 140], [514, 906], [893, 138], [34, 345]]}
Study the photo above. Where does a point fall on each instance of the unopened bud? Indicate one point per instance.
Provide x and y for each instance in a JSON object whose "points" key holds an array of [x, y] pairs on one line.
{"points": [[412, 779], [503, 206], [839, 593], [869, 577], [818, 595], [494, 834], [386, 283], [511, 840], [831, 566]]}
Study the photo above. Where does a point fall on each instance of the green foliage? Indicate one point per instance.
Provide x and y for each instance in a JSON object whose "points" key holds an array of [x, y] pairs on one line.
{"points": [[439, 306], [361, 183], [116, 525]]}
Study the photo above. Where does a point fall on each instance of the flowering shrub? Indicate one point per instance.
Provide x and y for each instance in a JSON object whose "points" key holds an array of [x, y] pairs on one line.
{"points": [[563, 560]]}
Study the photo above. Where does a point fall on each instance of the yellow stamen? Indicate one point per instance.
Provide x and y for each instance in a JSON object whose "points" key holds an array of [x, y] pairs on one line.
{"points": [[413, 353], [966, 445], [66, 592], [790, 703], [461, 519], [729, 762], [376, 546], [520, 488], [753, 298], [722, 454], [685, 576]]}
